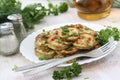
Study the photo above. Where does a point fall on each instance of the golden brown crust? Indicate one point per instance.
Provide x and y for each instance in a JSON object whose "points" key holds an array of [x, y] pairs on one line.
{"points": [[87, 30], [85, 41], [69, 51], [39, 41], [41, 53], [72, 35], [65, 41], [55, 43]]}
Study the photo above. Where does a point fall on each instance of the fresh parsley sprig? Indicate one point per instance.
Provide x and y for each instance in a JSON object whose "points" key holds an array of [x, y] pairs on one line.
{"points": [[32, 13], [68, 72], [56, 9], [8, 7], [105, 34]]}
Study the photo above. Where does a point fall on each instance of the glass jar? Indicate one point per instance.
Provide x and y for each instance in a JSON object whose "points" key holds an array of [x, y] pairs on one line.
{"points": [[93, 9], [8, 41]]}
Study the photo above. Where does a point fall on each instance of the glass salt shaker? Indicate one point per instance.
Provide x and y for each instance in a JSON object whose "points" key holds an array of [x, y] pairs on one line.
{"points": [[19, 28], [8, 41]]}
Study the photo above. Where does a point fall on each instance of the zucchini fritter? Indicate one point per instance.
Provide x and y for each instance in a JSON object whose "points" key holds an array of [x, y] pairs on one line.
{"points": [[69, 51], [55, 43], [69, 33], [85, 41], [65, 41]]}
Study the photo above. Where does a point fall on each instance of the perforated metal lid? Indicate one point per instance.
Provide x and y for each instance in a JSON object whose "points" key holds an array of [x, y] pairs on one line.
{"points": [[6, 26]]}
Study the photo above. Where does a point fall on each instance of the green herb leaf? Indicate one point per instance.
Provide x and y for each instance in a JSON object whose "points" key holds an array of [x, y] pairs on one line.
{"points": [[65, 37], [68, 72], [63, 7], [44, 42], [43, 30], [42, 58], [8, 7], [58, 40], [65, 30], [14, 67], [86, 28], [105, 34], [31, 14], [70, 43], [74, 34], [52, 9]]}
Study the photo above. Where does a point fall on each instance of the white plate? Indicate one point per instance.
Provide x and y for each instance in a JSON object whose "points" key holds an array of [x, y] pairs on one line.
{"points": [[27, 45]]}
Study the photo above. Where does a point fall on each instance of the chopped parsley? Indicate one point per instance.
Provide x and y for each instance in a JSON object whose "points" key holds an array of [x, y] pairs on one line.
{"points": [[44, 42], [45, 33], [65, 37], [86, 28], [48, 32], [42, 58], [43, 30], [70, 43], [87, 42], [69, 25], [63, 43], [48, 49], [58, 40], [74, 34], [14, 67], [65, 30], [69, 49], [81, 29]]}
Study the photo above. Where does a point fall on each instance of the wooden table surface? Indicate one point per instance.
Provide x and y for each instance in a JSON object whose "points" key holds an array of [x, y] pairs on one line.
{"points": [[107, 68]]}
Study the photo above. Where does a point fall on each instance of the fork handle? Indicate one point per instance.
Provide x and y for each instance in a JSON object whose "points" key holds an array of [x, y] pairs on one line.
{"points": [[26, 67], [52, 64]]}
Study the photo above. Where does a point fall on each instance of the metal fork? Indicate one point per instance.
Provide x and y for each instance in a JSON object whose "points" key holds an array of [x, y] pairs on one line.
{"points": [[107, 48]]}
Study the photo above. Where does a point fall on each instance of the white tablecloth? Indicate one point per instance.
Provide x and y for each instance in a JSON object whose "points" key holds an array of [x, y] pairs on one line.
{"points": [[107, 68]]}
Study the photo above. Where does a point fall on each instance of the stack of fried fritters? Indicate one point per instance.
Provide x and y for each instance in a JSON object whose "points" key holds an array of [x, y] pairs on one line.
{"points": [[64, 41]]}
